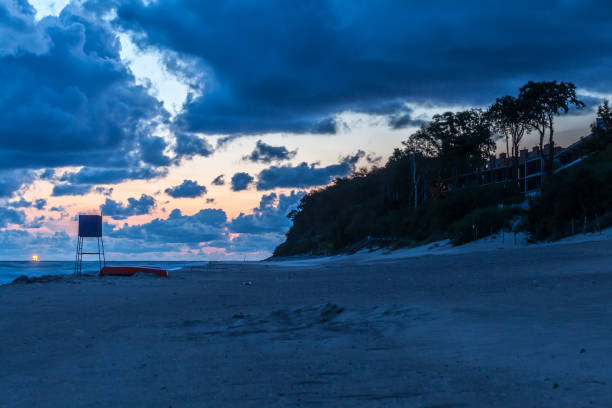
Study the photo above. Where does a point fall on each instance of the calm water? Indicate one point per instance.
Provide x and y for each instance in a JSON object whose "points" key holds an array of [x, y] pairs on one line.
{"points": [[11, 270]]}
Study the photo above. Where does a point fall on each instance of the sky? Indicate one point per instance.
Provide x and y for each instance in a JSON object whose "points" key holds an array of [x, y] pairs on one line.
{"points": [[195, 127]]}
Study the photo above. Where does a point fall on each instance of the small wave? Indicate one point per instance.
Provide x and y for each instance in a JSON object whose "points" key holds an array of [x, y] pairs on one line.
{"points": [[11, 270]]}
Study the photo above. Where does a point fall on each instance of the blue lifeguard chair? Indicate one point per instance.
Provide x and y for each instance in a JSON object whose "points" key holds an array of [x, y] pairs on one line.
{"points": [[90, 226]]}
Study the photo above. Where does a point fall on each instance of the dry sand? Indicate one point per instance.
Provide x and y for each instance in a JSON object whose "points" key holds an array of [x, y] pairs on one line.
{"points": [[528, 327]]}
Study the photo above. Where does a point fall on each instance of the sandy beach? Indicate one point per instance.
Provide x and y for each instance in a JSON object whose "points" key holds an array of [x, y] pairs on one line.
{"points": [[525, 327]]}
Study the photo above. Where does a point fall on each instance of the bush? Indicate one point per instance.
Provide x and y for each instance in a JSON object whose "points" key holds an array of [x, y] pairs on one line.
{"points": [[331, 219], [482, 222], [573, 194]]}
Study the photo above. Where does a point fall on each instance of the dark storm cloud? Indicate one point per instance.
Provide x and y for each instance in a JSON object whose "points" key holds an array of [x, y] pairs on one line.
{"points": [[12, 180], [327, 126], [188, 188], [48, 174], [152, 151], [189, 146], [306, 175], [37, 222], [403, 118], [225, 140], [21, 203], [219, 180], [101, 175], [17, 29], [119, 211], [270, 216], [68, 99], [70, 189], [40, 203], [241, 181], [264, 153], [278, 66], [10, 216], [107, 191]]}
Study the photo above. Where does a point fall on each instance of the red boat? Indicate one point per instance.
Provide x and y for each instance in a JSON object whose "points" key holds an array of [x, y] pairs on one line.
{"points": [[125, 270]]}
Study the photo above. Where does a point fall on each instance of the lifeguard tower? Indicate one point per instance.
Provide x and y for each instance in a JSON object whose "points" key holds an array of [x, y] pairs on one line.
{"points": [[90, 226]]}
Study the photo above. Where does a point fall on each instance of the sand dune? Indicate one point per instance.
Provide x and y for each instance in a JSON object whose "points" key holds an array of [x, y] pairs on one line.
{"points": [[524, 327]]}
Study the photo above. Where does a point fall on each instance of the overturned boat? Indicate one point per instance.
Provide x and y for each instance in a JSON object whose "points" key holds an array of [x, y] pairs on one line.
{"points": [[129, 270]]}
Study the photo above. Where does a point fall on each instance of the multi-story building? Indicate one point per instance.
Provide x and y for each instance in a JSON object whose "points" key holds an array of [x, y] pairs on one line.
{"points": [[530, 167]]}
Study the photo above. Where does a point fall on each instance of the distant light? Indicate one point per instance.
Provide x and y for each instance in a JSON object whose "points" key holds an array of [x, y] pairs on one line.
{"points": [[34, 258]]}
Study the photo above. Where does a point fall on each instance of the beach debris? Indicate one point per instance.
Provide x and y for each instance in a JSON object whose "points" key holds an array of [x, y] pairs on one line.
{"points": [[330, 311], [39, 279]]}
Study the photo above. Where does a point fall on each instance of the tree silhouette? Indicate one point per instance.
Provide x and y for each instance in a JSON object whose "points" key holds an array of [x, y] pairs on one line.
{"points": [[546, 100], [602, 128], [460, 142], [604, 119], [510, 117]]}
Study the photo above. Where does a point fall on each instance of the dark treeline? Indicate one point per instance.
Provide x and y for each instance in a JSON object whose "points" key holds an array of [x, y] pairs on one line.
{"points": [[421, 193], [578, 199]]}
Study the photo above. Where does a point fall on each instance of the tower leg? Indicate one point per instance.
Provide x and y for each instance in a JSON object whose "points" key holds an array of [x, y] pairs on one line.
{"points": [[79, 257], [76, 257], [103, 255], [99, 256]]}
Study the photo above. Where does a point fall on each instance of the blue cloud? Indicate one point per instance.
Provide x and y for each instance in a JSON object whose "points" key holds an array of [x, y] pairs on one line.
{"points": [[40, 203], [206, 225], [241, 181], [264, 153], [47, 174], [152, 151], [188, 188], [219, 180], [402, 117], [304, 175], [21, 203], [10, 216], [102, 175], [270, 216], [134, 206], [12, 180], [37, 222], [107, 191], [70, 189], [189, 146]]}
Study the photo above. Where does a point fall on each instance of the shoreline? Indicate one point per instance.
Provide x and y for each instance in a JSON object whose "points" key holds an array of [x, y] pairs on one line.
{"points": [[24, 278], [443, 247]]}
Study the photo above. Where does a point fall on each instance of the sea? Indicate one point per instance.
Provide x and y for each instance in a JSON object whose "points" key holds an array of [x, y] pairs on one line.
{"points": [[11, 270]]}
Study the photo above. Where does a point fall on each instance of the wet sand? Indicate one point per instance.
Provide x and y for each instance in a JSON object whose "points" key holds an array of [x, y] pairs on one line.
{"points": [[528, 327]]}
